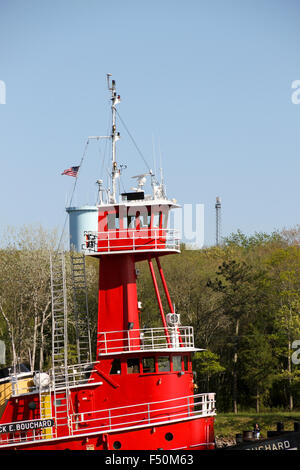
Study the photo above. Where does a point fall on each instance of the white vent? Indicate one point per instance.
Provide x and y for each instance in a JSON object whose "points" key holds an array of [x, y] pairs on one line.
{"points": [[173, 319]]}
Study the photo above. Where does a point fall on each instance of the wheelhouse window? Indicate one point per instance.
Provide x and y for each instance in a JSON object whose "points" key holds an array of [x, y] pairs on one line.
{"points": [[186, 363], [177, 363], [133, 365], [160, 218], [113, 221], [115, 367], [165, 220], [145, 220], [163, 364], [130, 221], [156, 220], [148, 365]]}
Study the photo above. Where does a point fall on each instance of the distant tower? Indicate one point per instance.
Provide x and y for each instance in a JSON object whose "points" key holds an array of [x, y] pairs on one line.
{"points": [[218, 220]]}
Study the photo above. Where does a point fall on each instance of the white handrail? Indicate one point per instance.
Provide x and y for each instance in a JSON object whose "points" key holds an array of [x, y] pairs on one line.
{"points": [[146, 339], [149, 412], [164, 239]]}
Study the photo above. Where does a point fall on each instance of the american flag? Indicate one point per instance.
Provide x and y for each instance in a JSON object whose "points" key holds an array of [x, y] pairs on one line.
{"points": [[71, 171]]}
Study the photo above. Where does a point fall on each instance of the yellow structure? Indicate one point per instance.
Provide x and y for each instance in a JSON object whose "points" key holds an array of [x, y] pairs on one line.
{"points": [[24, 384], [46, 412]]}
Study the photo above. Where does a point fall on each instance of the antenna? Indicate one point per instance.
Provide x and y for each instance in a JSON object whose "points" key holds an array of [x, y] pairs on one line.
{"points": [[108, 75], [162, 182], [218, 220], [154, 155]]}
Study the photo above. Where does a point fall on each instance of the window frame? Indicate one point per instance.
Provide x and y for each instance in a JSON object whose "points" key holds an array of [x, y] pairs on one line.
{"points": [[111, 366], [181, 360], [167, 357], [154, 368], [138, 363]]}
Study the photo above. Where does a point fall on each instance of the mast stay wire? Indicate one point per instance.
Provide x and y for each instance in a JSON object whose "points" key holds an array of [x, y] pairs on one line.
{"points": [[134, 142], [105, 148], [103, 154]]}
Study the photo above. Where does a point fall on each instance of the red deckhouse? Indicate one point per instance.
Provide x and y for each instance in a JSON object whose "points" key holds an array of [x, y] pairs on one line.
{"points": [[139, 391]]}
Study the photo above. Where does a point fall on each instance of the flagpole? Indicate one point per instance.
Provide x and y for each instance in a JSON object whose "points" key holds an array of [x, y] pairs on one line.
{"points": [[75, 182]]}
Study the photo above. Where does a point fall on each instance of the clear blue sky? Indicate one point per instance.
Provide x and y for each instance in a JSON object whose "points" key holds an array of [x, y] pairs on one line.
{"points": [[208, 81]]}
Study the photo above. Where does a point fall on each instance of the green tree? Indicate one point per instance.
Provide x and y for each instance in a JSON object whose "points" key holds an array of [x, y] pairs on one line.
{"points": [[206, 365], [284, 270], [258, 364], [25, 298], [238, 285]]}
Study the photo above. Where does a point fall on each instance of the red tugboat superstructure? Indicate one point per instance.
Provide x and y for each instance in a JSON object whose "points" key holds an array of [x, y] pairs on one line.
{"points": [[138, 394]]}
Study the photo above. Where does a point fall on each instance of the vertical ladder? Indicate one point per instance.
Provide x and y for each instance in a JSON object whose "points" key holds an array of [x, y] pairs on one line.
{"points": [[59, 318], [59, 340], [81, 310]]}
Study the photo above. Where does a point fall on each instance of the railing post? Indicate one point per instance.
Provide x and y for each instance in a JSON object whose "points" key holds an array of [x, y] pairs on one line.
{"points": [[149, 414], [109, 419]]}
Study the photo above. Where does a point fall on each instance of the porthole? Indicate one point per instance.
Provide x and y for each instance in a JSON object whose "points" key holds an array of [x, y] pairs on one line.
{"points": [[32, 405], [117, 445], [169, 436]]}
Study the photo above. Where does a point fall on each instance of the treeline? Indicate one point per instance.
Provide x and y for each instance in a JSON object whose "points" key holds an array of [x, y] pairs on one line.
{"points": [[25, 298], [242, 298]]}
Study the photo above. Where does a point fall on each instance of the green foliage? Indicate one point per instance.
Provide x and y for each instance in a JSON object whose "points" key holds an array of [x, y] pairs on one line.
{"points": [[207, 364], [258, 239]]}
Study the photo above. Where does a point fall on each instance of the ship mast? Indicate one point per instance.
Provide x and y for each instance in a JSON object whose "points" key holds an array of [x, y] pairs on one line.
{"points": [[115, 136]]}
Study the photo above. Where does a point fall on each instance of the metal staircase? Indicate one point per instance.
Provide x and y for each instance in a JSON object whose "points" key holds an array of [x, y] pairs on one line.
{"points": [[81, 311]]}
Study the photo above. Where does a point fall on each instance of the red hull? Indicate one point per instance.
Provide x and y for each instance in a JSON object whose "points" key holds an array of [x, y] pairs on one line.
{"points": [[196, 434]]}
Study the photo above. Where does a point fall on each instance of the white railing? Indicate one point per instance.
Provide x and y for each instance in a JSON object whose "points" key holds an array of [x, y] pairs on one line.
{"points": [[18, 382], [145, 414], [146, 339], [74, 375], [113, 419], [143, 239]]}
